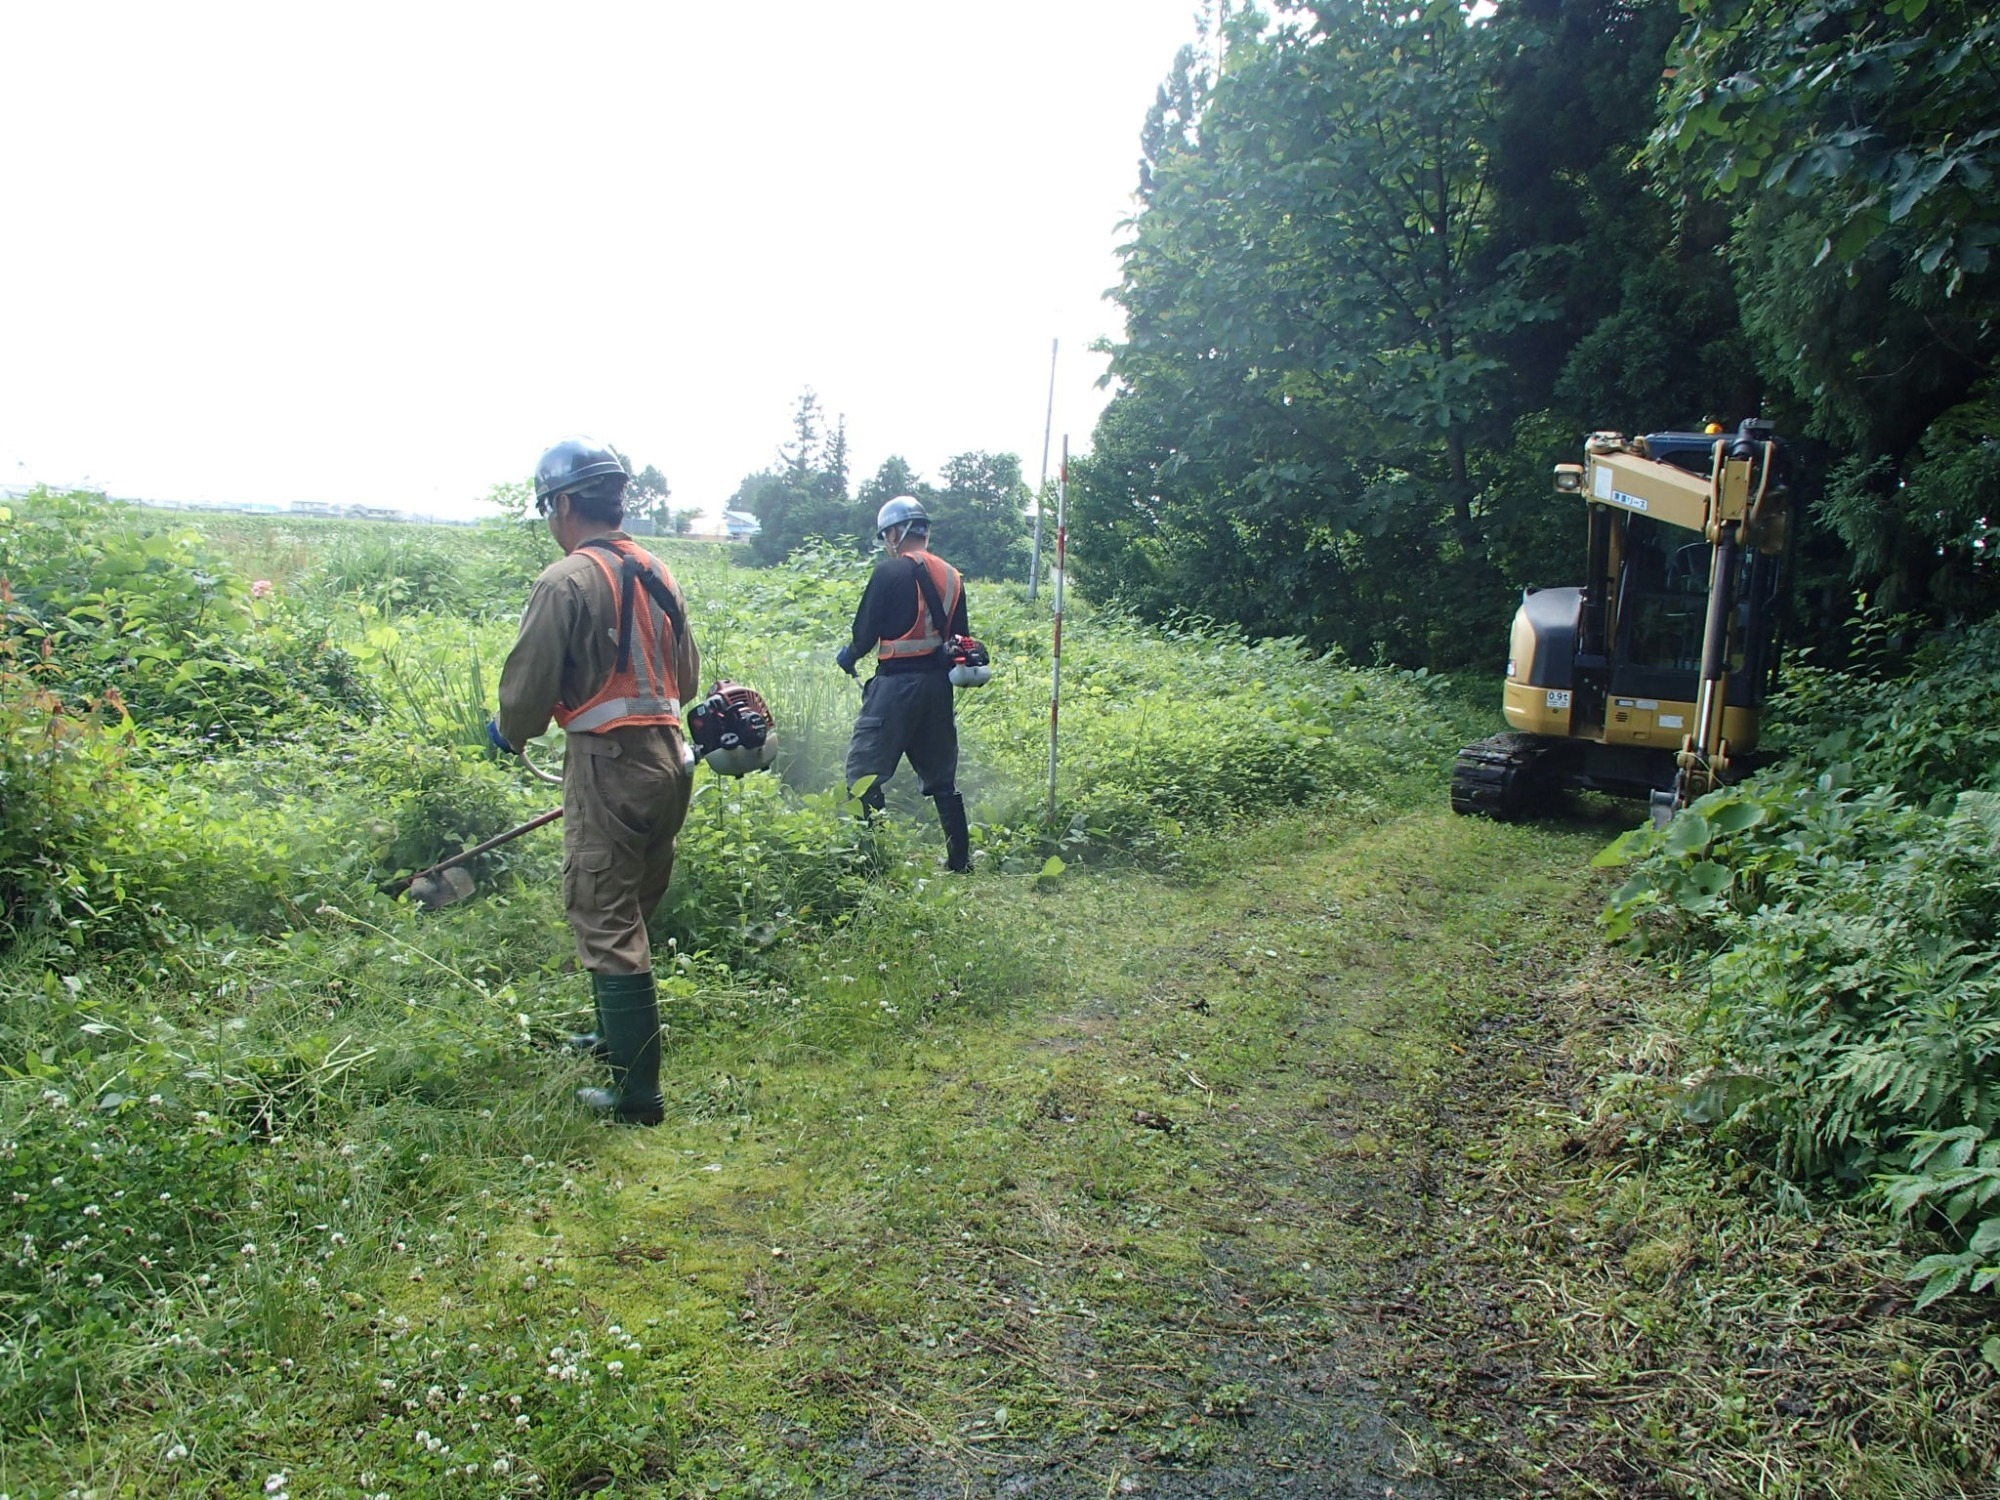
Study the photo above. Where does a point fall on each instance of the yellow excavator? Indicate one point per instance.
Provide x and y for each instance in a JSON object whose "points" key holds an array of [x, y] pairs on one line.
{"points": [[1648, 681]]}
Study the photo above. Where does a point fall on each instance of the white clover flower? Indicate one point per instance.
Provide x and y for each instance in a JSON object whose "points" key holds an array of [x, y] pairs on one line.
{"points": [[276, 1483], [250, 1249], [176, 1453]]}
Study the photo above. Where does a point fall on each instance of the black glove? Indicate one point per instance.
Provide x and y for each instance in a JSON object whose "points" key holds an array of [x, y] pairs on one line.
{"points": [[846, 658], [732, 717], [496, 739]]}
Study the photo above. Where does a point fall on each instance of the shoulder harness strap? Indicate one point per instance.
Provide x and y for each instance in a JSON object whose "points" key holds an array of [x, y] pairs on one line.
{"points": [[636, 571], [927, 586]]}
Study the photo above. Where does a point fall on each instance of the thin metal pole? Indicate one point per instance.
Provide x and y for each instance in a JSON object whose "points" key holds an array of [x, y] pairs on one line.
{"points": [[1055, 654], [1048, 423]]}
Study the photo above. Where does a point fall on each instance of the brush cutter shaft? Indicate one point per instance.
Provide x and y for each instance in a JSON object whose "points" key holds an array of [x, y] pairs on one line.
{"points": [[476, 850]]}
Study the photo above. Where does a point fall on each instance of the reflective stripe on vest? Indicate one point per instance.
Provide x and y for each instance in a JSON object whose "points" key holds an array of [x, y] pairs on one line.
{"points": [[617, 713], [643, 691], [925, 637]]}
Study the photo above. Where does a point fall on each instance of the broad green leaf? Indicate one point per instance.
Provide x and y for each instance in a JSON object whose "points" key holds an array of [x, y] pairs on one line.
{"points": [[1734, 817], [1689, 833], [1709, 878], [1623, 849]]}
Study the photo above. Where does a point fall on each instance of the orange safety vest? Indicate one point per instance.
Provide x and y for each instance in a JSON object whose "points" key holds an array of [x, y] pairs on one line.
{"points": [[925, 637], [641, 688]]}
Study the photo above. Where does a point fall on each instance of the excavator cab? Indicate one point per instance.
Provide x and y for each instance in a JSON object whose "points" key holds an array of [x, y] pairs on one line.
{"points": [[1649, 680]]}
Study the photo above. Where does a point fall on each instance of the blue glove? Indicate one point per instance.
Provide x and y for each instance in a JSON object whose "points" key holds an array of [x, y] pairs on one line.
{"points": [[497, 740], [846, 658]]}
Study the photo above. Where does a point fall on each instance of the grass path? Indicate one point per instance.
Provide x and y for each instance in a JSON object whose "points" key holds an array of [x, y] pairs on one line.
{"points": [[1134, 1231]]}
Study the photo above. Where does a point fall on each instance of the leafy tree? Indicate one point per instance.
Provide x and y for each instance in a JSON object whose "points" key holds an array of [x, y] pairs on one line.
{"points": [[894, 478], [647, 496], [980, 512], [806, 494], [1313, 318], [1642, 329], [1857, 144], [1887, 112]]}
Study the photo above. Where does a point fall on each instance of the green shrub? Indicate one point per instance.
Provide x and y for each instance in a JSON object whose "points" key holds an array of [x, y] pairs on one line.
{"points": [[115, 607], [1849, 905], [62, 788], [395, 568]]}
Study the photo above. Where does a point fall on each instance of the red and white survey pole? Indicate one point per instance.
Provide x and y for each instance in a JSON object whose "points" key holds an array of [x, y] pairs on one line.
{"points": [[1055, 654]]}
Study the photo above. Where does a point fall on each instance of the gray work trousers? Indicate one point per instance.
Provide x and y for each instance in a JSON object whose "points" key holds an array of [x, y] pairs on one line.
{"points": [[905, 713]]}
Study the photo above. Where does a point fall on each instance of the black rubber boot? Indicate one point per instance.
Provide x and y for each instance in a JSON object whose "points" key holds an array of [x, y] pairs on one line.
{"points": [[957, 833], [873, 800], [628, 1007], [591, 1043]]}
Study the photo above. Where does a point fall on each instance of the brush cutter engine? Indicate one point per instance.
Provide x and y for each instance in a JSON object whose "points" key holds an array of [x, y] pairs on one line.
{"points": [[733, 730], [970, 665]]}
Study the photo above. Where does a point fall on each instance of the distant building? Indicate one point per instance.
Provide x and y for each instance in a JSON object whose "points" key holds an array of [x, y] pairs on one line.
{"points": [[740, 525], [314, 508]]}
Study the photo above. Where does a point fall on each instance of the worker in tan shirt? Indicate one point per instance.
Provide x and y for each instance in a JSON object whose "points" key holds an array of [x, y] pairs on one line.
{"points": [[605, 651]]}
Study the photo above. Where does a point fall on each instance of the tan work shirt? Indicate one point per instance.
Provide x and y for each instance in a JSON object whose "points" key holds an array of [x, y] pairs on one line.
{"points": [[568, 646]]}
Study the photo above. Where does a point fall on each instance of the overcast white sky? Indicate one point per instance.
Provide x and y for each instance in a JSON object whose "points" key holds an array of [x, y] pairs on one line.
{"points": [[388, 253]]}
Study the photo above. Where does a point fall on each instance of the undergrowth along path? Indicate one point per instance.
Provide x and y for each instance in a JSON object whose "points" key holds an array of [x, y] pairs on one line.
{"points": [[1137, 1230]]}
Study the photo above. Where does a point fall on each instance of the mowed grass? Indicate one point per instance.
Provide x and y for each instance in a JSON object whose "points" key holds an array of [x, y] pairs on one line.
{"points": [[1115, 1195]]}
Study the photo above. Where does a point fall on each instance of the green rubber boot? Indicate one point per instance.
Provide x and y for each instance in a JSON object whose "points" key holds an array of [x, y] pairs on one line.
{"points": [[628, 1008]]}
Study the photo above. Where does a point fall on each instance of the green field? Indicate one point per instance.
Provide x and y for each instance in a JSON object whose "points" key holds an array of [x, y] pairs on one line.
{"points": [[1252, 1127]]}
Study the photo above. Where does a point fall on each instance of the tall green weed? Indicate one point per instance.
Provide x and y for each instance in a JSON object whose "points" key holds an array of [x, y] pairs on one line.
{"points": [[1848, 903], [107, 604]]}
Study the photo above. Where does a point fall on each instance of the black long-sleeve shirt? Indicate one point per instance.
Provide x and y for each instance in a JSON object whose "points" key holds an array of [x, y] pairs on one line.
{"points": [[888, 609]]}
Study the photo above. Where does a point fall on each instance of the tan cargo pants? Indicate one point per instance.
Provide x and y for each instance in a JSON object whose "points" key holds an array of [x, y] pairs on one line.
{"points": [[625, 796]]}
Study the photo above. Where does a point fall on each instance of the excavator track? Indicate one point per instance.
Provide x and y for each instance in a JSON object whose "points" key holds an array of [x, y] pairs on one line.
{"points": [[1508, 776]]}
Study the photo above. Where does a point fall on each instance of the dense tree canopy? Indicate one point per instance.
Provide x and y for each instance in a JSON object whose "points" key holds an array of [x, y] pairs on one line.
{"points": [[1393, 261]]}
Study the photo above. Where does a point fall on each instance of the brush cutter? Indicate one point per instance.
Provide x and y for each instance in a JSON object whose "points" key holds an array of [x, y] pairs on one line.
{"points": [[732, 729]]}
